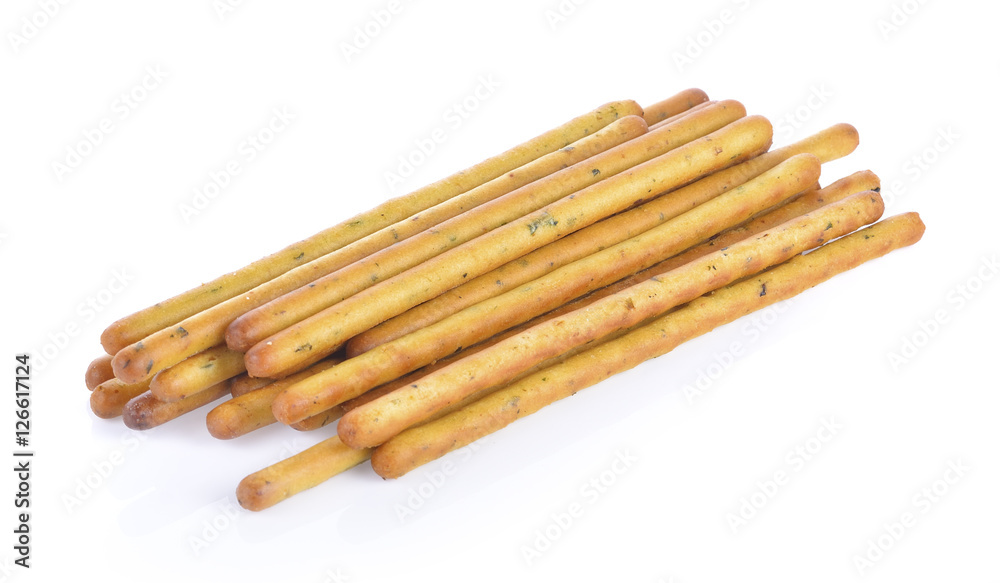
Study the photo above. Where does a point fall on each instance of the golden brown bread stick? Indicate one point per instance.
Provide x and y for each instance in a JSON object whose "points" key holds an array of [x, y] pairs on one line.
{"points": [[330, 329], [478, 322], [109, 398], [244, 383], [417, 446], [267, 487], [133, 328], [827, 145], [197, 373], [241, 415], [260, 323], [678, 116], [807, 202], [208, 327], [99, 371], [146, 411], [379, 420], [673, 105]]}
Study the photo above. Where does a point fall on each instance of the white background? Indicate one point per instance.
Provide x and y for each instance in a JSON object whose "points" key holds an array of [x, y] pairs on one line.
{"points": [[665, 519]]}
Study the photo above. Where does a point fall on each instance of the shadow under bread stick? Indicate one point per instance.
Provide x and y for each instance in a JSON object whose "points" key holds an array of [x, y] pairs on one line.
{"points": [[673, 105], [133, 328], [379, 420], [207, 328], [109, 398], [420, 445], [99, 371], [281, 313], [330, 329], [829, 144], [245, 413], [197, 373], [490, 317], [146, 411]]}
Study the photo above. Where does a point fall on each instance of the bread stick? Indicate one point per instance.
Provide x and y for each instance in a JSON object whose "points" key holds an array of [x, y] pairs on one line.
{"points": [[260, 323], [328, 330], [244, 383], [193, 332], [109, 398], [245, 413], [679, 103], [207, 328], [478, 322], [146, 411], [828, 145], [417, 446], [678, 116], [302, 471], [99, 371], [377, 421], [197, 373], [133, 328]]}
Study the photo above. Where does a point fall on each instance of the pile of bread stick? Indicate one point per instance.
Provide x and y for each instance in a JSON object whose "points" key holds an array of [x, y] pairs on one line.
{"points": [[444, 315]]}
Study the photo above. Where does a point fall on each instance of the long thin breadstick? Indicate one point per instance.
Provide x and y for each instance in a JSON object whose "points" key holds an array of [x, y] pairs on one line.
{"points": [[323, 333], [476, 323], [807, 202], [678, 116], [167, 313], [302, 471], [146, 411], [245, 413], [244, 383], [417, 446], [207, 328], [810, 201], [304, 302], [379, 420], [673, 105], [99, 371], [828, 144], [197, 373], [109, 398]]}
